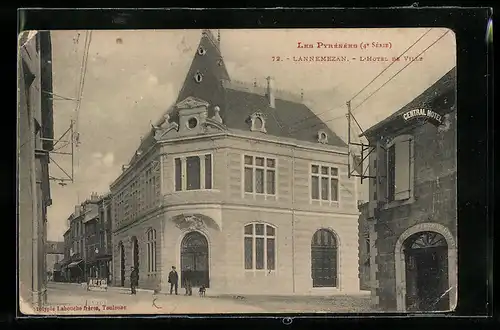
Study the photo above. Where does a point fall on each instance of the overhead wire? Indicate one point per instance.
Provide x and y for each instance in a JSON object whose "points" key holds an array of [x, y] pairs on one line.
{"points": [[367, 85], [378, 89]]}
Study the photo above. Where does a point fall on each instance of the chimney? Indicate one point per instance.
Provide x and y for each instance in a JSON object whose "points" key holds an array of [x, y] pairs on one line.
{"points": [[270, 91]]}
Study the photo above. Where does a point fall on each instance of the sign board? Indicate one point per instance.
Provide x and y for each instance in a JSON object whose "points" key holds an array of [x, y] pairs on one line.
{"points": [[425, 114], [97, 284]]}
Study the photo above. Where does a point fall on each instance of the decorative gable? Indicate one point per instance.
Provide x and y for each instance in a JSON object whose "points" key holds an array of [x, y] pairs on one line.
{"points": [[193, 113]]}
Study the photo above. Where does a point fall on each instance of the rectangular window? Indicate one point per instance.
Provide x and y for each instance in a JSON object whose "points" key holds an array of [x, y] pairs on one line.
{"points": [[324, 183], [391, 172], [259, 253], [193, 173], [270, 253], [248, 252], [259, 180], [399, 165], [248, 179], [208, 171], [259, 175], [178, 175]]}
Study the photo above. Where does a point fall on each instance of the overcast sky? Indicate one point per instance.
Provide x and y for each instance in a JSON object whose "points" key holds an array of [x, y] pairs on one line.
{"points": [[132, 77]]}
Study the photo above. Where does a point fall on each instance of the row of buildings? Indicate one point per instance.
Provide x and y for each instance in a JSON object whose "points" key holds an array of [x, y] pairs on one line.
{"points": [[248, 188], [87, 247]]}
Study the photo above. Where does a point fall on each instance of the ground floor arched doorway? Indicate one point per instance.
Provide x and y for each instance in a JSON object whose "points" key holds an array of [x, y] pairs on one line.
{"points": [[195, 256], [324, 259], [426, 272], [122, 263]]}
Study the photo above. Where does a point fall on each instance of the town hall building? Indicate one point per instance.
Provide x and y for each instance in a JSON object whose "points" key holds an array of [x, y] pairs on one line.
{"points": [[234, 184]]}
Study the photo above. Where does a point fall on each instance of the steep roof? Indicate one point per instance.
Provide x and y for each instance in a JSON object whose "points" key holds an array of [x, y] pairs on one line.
{"points": [[286, 119], [289, 118], [444, 85]]}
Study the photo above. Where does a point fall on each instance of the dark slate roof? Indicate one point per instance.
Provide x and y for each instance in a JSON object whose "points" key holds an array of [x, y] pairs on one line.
{"points": [[444, 85], [288, 119]]}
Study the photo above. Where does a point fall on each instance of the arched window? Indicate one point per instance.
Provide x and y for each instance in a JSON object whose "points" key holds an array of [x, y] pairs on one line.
{"points": [[260, 247], [151, 250]]}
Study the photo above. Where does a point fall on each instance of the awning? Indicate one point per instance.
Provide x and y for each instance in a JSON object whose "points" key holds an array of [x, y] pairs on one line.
{"points": [[74, 263]]}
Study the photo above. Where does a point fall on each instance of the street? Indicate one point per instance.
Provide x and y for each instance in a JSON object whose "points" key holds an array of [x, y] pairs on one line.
{"points": [[71, 299]]}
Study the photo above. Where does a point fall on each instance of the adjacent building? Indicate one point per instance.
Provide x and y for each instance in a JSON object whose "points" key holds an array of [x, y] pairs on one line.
{"points": [[35, 141], [73, 265], [234, 184], [97, 232], [87, 242], [412, 214], [54, 253]]}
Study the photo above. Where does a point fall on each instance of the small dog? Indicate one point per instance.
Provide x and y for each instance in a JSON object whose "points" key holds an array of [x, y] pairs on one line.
{"points": [[202, 291]]}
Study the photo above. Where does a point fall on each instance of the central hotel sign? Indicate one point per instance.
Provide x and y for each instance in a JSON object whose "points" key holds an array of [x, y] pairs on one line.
{"points": [[425, 114]]}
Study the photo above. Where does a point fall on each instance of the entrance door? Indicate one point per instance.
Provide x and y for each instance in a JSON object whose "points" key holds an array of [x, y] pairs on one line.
{"points": [[324, 259], [194, 256], [122, 265], [426, 256]]}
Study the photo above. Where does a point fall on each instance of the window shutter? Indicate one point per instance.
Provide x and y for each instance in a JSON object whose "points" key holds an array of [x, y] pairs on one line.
{"points": [[402, 168]]}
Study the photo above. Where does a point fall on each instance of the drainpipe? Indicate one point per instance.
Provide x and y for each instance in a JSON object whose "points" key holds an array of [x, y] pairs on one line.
{"points": [[293, 219], [35, 221]]}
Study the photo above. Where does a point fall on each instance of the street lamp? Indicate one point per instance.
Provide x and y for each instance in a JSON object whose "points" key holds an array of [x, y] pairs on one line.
{"points": [[98, 266]]}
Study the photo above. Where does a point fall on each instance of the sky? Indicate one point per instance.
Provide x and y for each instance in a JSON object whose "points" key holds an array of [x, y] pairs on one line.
{"points": [[133, 77]]}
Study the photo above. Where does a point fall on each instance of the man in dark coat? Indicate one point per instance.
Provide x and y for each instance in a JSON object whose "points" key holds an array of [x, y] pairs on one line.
{"points": [[173, 279], [187, 277], [134, 280]]}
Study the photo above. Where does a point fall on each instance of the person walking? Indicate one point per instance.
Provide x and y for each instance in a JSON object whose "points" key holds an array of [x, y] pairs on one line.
{"points": [[188, 277], [173, 279], [134, 280]]}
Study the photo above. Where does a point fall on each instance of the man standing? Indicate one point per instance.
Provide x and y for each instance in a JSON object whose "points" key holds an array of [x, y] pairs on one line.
{"points": [[187, 277], [173, 279], [134, 280]]}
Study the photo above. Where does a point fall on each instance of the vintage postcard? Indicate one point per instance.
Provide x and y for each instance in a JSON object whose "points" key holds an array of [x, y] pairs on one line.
{"points": [[237, 171]]}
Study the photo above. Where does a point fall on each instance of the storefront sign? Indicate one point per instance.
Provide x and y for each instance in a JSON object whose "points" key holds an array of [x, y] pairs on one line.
{"points": [[97, 284], [426, 114]]}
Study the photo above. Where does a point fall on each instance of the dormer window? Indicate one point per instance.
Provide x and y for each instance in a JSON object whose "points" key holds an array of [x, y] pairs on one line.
{"points": [[322, 137], [258, 122], [198, 77], [201, 51]]}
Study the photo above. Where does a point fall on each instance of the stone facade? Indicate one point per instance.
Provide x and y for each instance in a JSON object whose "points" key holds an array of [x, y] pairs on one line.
{"points": [[365, 246], [432, 205], [294, 215]]}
